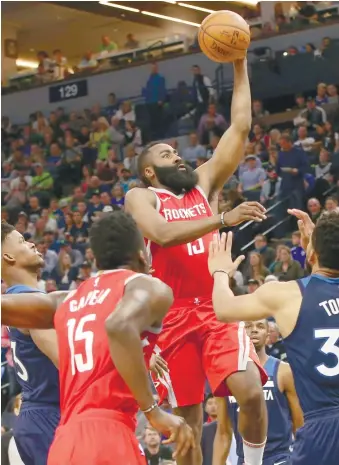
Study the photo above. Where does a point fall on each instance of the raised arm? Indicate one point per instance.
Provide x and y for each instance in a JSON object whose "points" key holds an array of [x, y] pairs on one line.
{"points": [[144, 304], [141, 204], [231, 148], [32, 310], [223, 436]]}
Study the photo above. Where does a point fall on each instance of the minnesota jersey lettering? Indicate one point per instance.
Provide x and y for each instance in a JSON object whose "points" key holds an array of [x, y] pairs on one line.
{"points": [[331, 306]]}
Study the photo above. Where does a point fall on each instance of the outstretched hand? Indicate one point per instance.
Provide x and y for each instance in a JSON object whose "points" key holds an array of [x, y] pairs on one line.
{"points": [[246, 211], [305, 225], [220, 255]]}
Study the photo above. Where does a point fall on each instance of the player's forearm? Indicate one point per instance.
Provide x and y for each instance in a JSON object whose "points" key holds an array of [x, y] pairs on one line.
{"points": [[241, 113], [221, 448], [35, 312], [127, 355], [223, 298]]}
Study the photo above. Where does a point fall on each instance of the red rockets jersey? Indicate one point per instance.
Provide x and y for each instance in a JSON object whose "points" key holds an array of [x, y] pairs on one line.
{"points": [[88, 377], [183, 267]]}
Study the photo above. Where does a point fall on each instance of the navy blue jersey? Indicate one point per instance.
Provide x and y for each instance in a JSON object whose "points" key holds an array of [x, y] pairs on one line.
{"points": [[279, 434], [313, 346], [36, 374]]}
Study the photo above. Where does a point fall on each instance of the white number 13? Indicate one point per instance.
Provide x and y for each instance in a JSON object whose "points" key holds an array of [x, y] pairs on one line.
{"points": [[75, 334], [195, 248]]}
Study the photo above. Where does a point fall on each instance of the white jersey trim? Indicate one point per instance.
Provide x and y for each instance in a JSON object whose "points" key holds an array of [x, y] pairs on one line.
{"points": [[203, 193], [165, 191], [244, 347]]}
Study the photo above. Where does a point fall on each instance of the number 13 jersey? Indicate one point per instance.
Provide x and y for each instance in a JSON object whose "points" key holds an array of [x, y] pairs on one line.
{"points": [[183, 267], [88, 377]]}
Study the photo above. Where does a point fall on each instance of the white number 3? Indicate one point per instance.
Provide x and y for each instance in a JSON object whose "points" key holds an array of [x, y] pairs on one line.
{"points": [[75, 334], [330, 347]]}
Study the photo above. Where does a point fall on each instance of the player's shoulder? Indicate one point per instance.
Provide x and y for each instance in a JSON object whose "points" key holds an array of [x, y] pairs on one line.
{"points": [[285, 375], [277, 290], [139, 192]]}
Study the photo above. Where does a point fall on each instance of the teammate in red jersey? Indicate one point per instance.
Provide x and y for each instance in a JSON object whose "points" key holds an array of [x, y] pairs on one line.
{"points": [[175, 217]]}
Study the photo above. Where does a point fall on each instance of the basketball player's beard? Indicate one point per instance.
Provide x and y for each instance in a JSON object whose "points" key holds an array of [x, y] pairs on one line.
{"points": [[176, 180]]}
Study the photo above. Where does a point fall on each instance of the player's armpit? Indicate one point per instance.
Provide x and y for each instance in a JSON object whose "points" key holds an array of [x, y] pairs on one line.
{"points": [[140, 203], [231, 148], [286, 380], [223, 436], [32, 310], [47, 342], [264, 302], [145, 302]]}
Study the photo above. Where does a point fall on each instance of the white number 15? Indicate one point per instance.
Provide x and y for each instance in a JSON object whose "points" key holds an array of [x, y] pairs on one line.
{"points": [[195, 248]]}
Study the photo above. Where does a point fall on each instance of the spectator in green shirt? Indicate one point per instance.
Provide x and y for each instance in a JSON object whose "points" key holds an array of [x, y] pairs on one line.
{"points": [[42, 181], [107, 45]]}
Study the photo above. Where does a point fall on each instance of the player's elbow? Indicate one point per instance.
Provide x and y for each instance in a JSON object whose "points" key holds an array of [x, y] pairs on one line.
{"points": [[116, 326], [242, 125]]}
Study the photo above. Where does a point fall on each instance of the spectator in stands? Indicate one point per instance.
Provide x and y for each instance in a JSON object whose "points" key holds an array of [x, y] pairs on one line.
{"points": [[314, 209], [85, 271], [131, 160], [312, 115], [300, 103], [125, 112], [45, 67], [321, 97], [256, 268], [271, 188], [211, 408], [88, 62], [79, 229], [292, 165], [258, 135], [211, 121], [69, 171], [267, 253], [309, 48], [252, 285], [118, 196], [194, 149], [34, 209], [42, 181], [323, 168], [304, 141], [125, 179], [331, 204], [17, 198], [28, 226], [133, 136], [107, 45], [76, 256], [154, 451], [59, 65], [155, 96], [251, 179], [49, 256], [112, 106], [332, 92], [203, 92], [40, 124], [131, 42], [297, 252], [64, 273], [275, 345], [287, 269], [330, 138], [258, 110]]}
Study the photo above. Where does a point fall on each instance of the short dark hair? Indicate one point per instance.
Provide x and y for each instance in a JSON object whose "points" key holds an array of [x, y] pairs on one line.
{"points": [[115, 240], [143, 160], [325, 240], [6, 229]]}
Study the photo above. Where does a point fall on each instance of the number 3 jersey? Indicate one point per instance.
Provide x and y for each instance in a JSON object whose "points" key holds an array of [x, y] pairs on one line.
{"points": [[183, 267], [88, 377], [36, 374], [313, 346]]}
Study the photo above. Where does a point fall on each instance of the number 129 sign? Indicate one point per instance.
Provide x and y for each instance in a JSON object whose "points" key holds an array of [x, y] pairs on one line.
{"points": [[68, 91]]}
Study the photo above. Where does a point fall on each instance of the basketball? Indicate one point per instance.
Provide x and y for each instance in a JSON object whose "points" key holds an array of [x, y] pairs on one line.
{"points": [[224, 36]]}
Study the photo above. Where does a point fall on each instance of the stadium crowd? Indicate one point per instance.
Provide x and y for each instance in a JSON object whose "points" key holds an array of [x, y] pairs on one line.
{"points": [[61, 171]]}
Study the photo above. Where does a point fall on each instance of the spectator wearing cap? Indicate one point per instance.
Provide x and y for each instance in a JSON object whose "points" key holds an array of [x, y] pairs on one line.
{"points": [[321, 97], [252, 179], [64, 273], [271, 188], [292, 165], [85, 270], [312, 115], [252, 285]]}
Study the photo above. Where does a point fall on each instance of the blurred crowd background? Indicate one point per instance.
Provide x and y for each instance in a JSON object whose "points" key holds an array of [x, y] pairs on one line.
{"points": [[66, 160]]}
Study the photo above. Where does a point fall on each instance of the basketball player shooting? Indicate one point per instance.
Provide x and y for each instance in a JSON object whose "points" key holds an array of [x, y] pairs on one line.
{"points": [[307, 313], [175, 217]]}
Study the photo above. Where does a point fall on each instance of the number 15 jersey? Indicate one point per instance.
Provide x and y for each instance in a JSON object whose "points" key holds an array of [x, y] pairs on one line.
{"points": [[183, 267], [88, 377]]}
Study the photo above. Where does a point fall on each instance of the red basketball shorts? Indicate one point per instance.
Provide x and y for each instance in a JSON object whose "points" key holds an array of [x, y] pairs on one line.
{"points": [[96, 437], [197, 346]]}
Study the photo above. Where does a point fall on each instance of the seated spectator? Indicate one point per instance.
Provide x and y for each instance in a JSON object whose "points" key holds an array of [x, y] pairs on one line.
{"points": [[86, 176], [211, 120], [252, 179], [323, 168], [101, 138], [314, 209], [118, 196], [304, 141], [258, 135], [89, 257], [332, 92], [45, 67], [125, 112], [85, 270], [331, 204], [267, 253], [131, 43], [300, 103], [125, 179], [93, 187], [95, 206], [112, 107], [287, 269], [79, 229], [50, 286], [154, 451], [65, 231], [76, 256], [27, 227], [107, 45], [34, 209], [49, 256], [194, 150], [274, 138], [42, 181], [321, 97], [213, 141], [105, 199], [312, 115], [330, 138], [64, 273], [88, 62], [133, 136], [40, 124], [272, 159], [275, 345], [256, 268], [258, 110], [131, 160], [270, 188], [17, 198], [297, 252], [59, 65]]}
